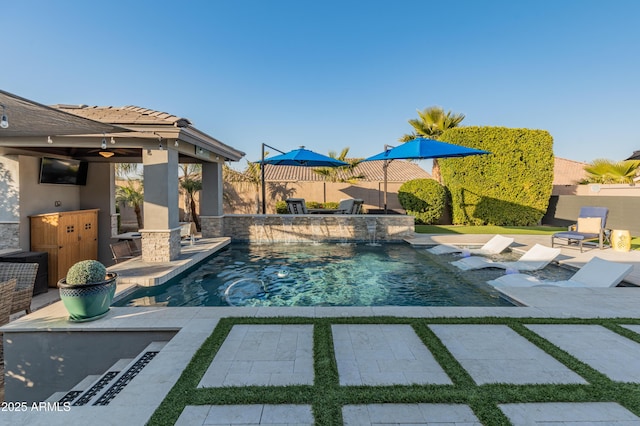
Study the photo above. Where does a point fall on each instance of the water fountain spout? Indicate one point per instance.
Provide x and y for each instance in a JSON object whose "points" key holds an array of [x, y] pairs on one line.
{"points": [[316, 230], [260, 231], [372, 225], [287, 225], [343, 223]]}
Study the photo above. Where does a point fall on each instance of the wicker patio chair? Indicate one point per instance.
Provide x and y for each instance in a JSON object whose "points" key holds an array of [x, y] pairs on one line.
{"points": [[25, 275], [6, 299]]}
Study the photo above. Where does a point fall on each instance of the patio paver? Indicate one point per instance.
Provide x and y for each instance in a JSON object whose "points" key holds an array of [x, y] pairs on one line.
{"points": [[563, 413], [610, 353], [405, 414], [280, 415], [263, 355], [497, 354], [380, 354]]}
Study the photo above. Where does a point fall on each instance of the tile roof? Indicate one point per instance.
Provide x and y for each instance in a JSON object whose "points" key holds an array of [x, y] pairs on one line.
{"points": [[131, 115], [568, 172], [398, 171]]}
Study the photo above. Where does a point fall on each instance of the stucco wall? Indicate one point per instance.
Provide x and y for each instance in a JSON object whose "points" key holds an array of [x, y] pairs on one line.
{"points": [[240, 198], [41, 198], [623, 211]]}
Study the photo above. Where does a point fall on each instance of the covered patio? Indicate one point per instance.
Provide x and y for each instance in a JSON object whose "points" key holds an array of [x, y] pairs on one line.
{"points": [[102, 137]]}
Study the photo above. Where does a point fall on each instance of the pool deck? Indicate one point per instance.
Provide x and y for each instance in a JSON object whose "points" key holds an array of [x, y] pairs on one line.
{"points": [[138, 400]]}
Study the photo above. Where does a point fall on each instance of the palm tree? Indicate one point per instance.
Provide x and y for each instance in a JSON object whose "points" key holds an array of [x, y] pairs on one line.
{"points": [[190, 183], [123, 170], [431, 123], [607, 171], [190, 187], [342, 173], [132, 195]]}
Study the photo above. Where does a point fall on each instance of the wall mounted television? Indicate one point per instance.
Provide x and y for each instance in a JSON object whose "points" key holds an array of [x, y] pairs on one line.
{"points": [[63, 172]]}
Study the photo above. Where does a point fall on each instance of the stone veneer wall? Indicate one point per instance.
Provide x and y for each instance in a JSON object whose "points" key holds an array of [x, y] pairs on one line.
{"points": [[160, 246], [9, 235], [308, 228]]}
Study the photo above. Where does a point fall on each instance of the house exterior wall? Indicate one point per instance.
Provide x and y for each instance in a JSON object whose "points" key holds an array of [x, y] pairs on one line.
{"points": [[23, 196], [41, 198]]}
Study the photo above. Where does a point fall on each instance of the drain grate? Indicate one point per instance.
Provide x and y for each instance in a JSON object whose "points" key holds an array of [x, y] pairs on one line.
{"points": [[132, 372], [93, 391], [69, 396]]}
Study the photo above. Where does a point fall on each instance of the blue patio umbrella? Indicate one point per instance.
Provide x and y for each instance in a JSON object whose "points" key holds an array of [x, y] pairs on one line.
{"points": [[297, 157], [420, 149]]}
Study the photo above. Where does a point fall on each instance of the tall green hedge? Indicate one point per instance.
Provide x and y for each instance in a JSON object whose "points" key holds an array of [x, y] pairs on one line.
{"points": [[423, 198], [511, 186]]}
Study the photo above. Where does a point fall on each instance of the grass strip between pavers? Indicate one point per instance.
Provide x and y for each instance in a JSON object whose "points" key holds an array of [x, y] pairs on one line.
{"points": [[327, 397]]}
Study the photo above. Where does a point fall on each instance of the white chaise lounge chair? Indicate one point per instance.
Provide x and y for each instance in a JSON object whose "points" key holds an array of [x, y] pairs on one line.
{"points": [[537, 257], [495, 245], [595, 273]]}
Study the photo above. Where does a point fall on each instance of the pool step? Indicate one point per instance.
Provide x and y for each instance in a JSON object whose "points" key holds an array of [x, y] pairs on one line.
{"points": [[74, 392], [102, 389]]}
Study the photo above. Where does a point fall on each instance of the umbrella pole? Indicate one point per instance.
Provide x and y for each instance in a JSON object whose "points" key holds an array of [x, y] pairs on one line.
{"points": [[264, 192], [384, 170]]}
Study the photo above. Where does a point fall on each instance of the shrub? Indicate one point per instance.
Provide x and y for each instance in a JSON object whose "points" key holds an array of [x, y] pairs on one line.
{"points": [[509, 187], [331, 205], [281, 207], [423, 198], [86, 271], [314, 204]]}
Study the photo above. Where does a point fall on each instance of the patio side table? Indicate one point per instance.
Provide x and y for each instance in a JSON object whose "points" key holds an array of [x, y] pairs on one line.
{"points": [[621, 240]]}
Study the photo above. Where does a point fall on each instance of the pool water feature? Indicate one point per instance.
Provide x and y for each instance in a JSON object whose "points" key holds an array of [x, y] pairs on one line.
{"points": [[329, 275]]}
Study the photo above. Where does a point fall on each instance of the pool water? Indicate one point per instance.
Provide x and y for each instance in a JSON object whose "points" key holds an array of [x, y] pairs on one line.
{"points": [[329, 275]]}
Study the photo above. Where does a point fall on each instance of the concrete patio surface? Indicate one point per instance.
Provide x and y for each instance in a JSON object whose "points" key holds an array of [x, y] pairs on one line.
{"points": [[365, 352]]}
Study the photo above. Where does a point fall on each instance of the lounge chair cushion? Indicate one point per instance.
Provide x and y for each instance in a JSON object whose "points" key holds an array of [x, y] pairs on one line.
{"points": [[595, 273], [574, 235], [495, 245], [589, 225]]}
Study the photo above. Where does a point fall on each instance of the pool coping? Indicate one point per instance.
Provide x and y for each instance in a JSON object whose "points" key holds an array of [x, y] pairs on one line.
{"points": [[537, 301]]}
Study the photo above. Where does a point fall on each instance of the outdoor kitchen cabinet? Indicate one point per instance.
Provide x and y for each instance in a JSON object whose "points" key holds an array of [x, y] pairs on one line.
{"points": [[68, 237]]}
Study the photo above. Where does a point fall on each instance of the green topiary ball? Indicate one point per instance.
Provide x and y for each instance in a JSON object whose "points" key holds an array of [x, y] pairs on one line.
{"points": [[85, 272], [423, 198]]}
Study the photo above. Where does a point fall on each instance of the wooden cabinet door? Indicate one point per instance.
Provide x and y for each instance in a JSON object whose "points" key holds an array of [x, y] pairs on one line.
{"points": [[68, 237], [68, 243], [44, 237], [88, 235]]}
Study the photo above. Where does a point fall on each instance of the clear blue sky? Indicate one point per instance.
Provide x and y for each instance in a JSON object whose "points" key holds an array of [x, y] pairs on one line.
{"points": [[333, 74]]}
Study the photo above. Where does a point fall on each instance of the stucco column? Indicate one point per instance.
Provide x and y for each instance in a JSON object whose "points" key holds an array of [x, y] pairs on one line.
{"points": [[100, 193], [212, 188], [211, 207], [161, 233]]}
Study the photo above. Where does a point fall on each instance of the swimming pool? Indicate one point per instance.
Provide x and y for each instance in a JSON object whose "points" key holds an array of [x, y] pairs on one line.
{"points": [[327, 275]]}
